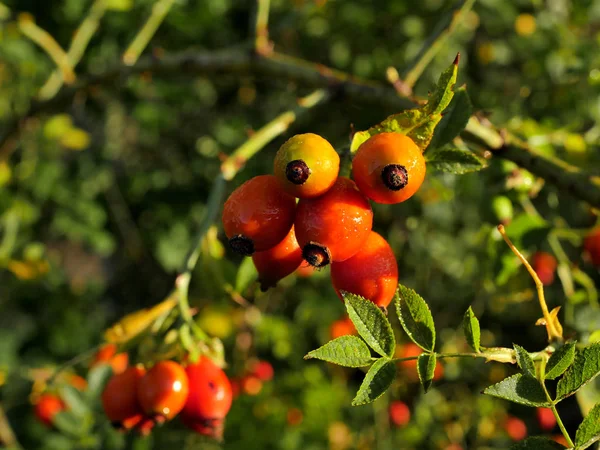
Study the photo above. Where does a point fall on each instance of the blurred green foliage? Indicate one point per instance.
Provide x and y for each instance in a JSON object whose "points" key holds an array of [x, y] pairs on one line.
{"points": [[99, 203]]}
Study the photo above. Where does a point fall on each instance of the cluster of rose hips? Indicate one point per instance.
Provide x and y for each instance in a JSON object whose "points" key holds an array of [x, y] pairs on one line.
{"points": [[307, 212], [139, 398]]}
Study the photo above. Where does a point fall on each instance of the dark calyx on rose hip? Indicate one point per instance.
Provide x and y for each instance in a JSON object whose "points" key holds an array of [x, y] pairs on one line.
{"points": [[394, 176], [297, 172], [242, 245], [316, 254]]}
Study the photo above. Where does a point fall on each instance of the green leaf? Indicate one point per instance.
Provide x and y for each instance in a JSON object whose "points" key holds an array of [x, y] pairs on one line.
{"points": [[589, 430], [74, 400], [96, 379], [524, 361], [377, 380], [560, 361], [453, 160], [415, 317], [584, 369], [419, 123], [425, 368], [454, 119], [519, 389], [347, 351], [371, 323], [442, 95], [246, 275], [537, 443], [68, 423], [471, 329]]}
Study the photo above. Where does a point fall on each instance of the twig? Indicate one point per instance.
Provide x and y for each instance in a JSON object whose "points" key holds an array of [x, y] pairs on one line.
{"points": [[48, 44], [139, 43], [80, 41], [433, 45], [8, 438], [261, 30], [568, 178], [553, 332]]}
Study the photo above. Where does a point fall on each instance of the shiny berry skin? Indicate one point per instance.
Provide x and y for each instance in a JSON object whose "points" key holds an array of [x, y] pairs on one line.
{"points": [[544, 265], [258, 215], [399, 413], [545, 418], [210, 392], [591, 244], [342, 327], [306, 165], [120, 400], [388, 168], [515, 428], [108, 355], [263, 370], [334, 226], [163, 391], [47, 407], [278, 262], [372, 273]]}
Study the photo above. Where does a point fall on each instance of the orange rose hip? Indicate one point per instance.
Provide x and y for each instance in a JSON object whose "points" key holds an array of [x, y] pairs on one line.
{"points": [[258, 215], [306, 165], [163, 391], [388, 168], [278, 262], [372, 273], [333, 227]]}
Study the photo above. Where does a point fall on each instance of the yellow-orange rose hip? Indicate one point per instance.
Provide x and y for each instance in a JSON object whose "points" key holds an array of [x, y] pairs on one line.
{"points": [[306, 165], [388, 168]]}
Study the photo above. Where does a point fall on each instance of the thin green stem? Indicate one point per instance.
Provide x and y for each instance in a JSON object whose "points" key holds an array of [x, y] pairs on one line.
{"points": [[434, 44], [81, 39], [542, 376], [261, 30], [141, 40]]}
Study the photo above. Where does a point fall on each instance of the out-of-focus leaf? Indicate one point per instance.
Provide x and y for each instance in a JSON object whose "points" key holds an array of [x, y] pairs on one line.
{"points": [[347, 351], [246, 275], [453, 160], [97, 378]]}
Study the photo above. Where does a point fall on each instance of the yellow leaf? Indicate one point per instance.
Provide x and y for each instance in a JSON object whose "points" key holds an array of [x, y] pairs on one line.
{"points": [[135, 323], [57, 126], [75, 139]]}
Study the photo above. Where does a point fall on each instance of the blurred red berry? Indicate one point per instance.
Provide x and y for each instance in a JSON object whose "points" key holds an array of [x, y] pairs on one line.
{"points": [[108, 355], [263, 370], [560, 439], [545, 418], [251, 385], [516, 428], [399, 413], [119, 398], [47, 407], [591, 245], [294, 417], [342, 327], [544, 265]]}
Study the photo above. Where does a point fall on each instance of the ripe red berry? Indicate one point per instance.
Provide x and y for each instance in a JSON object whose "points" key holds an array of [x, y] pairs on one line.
{"points": [[544, 265], [591, 244], [388, 168], [306, 165], [119, 398], [258, 215], [163, 391], [545, 418], [47, 406], [278, 262], [372, 273], [399, 413], [342, 327], [209, 399], [263, 370], [515, 428], [334, 226]]}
